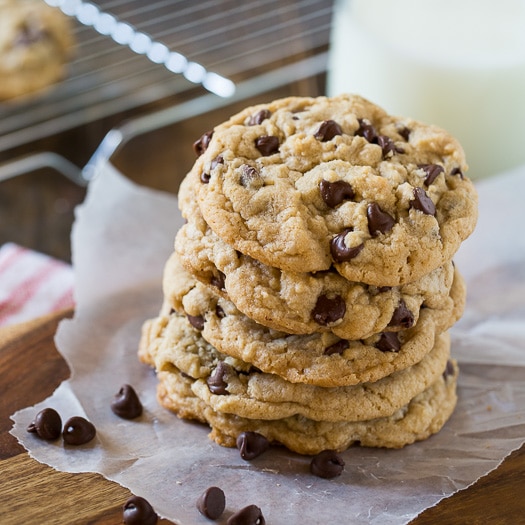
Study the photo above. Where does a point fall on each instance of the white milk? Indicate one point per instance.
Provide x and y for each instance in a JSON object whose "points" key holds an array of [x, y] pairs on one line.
{"points": [[459, 64]]}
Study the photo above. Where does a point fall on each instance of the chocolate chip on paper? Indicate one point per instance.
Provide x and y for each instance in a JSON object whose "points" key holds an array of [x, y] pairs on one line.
{"points": [[138, 511], [212, 503], [250, 515], [126, 403], [47, 424], [78, 431], [327, 464]]}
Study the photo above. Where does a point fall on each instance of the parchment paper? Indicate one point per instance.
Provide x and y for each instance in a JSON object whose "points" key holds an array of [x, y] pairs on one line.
{"points": [[122, 237]]}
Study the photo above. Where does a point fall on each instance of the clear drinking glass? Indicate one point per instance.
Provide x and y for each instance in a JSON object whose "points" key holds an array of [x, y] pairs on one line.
{"points": [[459, 64]]}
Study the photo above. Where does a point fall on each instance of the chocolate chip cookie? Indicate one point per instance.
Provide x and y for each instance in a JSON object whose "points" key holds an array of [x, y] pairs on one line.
{"points": [[321, 359], [423, 416], [303, 303], [36, 43], [306, 184], [229, 385]]}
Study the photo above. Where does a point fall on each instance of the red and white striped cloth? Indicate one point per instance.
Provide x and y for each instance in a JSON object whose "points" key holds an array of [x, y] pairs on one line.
{"points": [[32, 284]]}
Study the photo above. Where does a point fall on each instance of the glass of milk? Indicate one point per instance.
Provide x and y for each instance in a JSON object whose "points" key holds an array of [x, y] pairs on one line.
{"points": [[459, 64]]}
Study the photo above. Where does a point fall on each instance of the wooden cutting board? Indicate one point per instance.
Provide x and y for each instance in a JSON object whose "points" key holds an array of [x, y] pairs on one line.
{"points": [[31, 369]]}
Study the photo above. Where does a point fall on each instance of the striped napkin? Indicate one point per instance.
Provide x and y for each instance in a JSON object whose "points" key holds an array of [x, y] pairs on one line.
{"points": [[32, 284]]}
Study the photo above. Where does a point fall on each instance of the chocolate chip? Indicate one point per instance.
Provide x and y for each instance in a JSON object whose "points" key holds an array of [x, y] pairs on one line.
{"points": [[388, 342], [327, 464], [216, 380], [259, 117], [251, 445], [334, 193], [328, 130], [138, 511], [267, 144], [28, 34], [366, 130], [205, 176], [431, 172], [449, 370], [78, 431], [328, 310], [337, 348], [422, 202], [404, 132], [216, 161], [218, 280], [250, 177], [47, 424], [340, 251], [250, 515], [457, 171], [402, 316], [379, 221], [201, 145], [212, 503], [126, 403], [387, 145], [221, 314], [197, 321]]}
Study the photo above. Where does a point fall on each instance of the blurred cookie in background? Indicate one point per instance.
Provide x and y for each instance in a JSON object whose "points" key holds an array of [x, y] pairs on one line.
{"points": [[36, 44]]}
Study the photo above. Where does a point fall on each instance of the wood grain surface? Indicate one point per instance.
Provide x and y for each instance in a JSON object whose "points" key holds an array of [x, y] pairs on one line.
{"points": [[30, 370]]}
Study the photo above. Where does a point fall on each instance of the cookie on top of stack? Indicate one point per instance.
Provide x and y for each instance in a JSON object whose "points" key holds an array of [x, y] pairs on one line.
{"points": [[311, 289]]}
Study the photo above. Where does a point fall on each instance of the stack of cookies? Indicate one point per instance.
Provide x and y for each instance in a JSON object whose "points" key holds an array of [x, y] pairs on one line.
{"points": [[311, 289]]}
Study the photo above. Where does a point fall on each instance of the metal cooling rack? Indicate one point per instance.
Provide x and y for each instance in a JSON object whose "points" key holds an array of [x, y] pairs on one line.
{"points": [[134, 52]]}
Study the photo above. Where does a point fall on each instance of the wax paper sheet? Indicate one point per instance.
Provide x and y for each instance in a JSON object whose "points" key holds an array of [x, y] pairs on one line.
{"points": [[122, 237]]}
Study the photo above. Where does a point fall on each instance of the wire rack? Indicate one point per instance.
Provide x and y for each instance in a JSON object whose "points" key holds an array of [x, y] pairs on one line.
{"points": [[131, 53]]}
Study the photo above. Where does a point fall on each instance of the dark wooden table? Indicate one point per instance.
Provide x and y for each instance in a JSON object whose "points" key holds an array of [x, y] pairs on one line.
{"points": [[31, 369]]}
